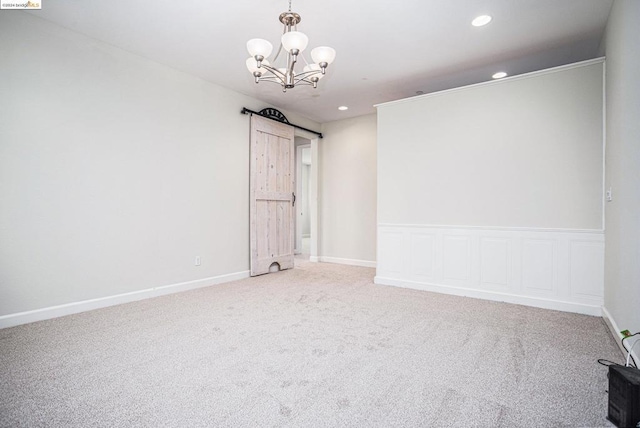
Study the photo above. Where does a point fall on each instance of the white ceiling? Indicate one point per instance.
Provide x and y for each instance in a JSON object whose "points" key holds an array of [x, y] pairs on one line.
{"points": [[386, 50]]}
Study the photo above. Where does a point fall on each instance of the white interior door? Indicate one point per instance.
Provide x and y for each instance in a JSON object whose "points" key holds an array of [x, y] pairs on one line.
{"points": [[272, 196]]}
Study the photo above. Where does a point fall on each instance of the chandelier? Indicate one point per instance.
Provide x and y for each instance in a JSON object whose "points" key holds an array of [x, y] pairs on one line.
{"points": [[293, 42]]}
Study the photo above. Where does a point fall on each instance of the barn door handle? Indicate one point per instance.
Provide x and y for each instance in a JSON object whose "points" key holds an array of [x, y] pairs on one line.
{"points": [[293, 203]]}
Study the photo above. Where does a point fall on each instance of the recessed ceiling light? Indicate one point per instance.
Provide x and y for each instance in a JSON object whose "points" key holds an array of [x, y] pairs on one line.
{"points": [[499, 75], [343, 108], [481, 20]]}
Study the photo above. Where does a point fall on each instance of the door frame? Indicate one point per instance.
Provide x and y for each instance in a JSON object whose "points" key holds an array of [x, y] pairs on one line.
{"points": [[313, 192]]}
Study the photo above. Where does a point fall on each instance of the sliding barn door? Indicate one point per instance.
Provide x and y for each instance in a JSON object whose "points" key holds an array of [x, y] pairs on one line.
{"points": [[272, 195]]}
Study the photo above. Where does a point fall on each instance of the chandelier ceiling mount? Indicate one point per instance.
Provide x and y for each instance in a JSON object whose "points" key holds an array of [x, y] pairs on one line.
{"points": [[290, 18]]}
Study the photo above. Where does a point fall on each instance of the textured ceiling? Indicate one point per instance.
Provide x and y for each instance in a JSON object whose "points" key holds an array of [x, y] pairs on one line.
{"points": [[385, 50]]}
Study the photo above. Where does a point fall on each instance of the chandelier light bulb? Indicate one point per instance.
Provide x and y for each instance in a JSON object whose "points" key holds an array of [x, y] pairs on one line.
{"points": [[315, 68], [294, 40], [252, 65], [323, 54], [259, 47]]}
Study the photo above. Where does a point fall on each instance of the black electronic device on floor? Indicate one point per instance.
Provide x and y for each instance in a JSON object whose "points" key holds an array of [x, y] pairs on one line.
{"points": [[624, 396]]}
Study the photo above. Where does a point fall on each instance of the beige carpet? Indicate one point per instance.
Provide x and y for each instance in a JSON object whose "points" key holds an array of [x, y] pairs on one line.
{"points": [[317, 346]]}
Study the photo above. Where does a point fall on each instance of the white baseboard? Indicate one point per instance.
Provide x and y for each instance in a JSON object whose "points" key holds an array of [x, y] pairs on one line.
{"points": [[19, 318], [495, 296], [350, 262], [617, 336]]}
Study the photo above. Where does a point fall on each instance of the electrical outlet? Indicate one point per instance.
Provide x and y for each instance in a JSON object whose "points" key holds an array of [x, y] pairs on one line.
{"points": [[197, 261]]}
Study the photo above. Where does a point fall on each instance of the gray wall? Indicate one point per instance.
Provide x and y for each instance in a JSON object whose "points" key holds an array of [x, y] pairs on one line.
{"points": [[347, 194], [622, 249], [115, 172], [522, 152]]}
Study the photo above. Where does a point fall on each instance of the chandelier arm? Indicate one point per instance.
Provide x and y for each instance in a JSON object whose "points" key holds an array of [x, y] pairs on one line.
{"points": [[276, 76], [280, 47], [272, 80], [307, 74], [303, 81], [277, 53], [273, 70], [270, 77]]}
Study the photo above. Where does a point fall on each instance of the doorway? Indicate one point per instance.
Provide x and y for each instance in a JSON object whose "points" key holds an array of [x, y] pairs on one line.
{"points": [[303, 209], [306, 216]]}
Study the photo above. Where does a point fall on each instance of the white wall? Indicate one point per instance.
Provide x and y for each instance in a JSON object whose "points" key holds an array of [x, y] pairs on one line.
{"points": [[522, 152], [622, 257], [347, 194], [495, 190], [115, 172]]}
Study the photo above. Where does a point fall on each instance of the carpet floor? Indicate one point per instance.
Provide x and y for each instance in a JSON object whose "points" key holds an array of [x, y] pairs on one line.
{"points": [[316, 346]]}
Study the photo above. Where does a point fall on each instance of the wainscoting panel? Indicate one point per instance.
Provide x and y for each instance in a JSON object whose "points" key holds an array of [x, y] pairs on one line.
{"points": [[423, 252], [456, 254], [495, 263], [539, 266], [391, 247], [559, 269], [587, 270]]}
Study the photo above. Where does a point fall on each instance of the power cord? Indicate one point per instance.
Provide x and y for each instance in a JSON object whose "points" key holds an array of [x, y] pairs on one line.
{"points": [[607, 363], [629, 356]]}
